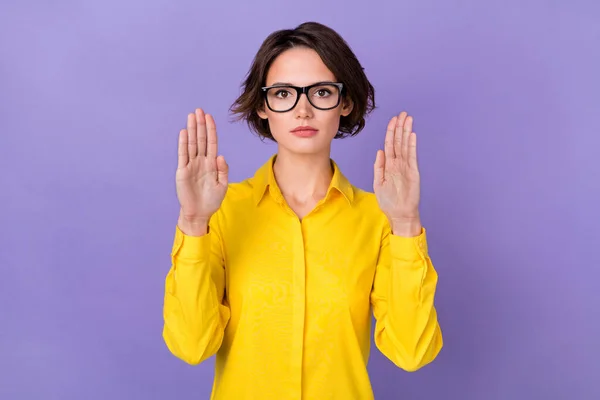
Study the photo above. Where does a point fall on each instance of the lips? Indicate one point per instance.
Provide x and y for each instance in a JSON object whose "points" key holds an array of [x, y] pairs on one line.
{"points": [[304, 129]]}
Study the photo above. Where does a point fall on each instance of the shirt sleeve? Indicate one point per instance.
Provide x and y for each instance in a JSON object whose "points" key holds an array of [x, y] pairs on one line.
{"points": [[194, 312], [406, 329]]}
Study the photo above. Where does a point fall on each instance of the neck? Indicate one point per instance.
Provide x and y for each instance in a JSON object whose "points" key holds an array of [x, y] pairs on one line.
{"points": [[303, 177]]}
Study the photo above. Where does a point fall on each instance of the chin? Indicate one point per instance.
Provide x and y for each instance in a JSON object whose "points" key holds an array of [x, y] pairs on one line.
{"points": [[305, 145]]}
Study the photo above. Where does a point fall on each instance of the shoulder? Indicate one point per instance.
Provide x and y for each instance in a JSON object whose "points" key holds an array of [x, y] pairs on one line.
{"points": [[365, 202], [239, 194], [364, 199], [238, 199]]}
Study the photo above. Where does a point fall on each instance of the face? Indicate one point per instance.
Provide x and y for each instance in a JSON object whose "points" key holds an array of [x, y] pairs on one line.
{"points": [[303, 67]]}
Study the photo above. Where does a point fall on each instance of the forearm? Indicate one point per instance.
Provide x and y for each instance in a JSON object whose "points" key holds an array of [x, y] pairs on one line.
{"points": [[194, 316], [407, 329], [411, 323]]}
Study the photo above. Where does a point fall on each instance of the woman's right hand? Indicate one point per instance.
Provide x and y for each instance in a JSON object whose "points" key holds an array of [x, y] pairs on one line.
{"points": [[201, 177]]}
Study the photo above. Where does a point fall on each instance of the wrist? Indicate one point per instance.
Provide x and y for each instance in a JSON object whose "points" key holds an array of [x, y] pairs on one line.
{"points": [[193, 226], [406, 227]]}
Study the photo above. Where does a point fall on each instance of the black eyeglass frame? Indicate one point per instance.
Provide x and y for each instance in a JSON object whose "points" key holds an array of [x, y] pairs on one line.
{"points": [[305, 89]]}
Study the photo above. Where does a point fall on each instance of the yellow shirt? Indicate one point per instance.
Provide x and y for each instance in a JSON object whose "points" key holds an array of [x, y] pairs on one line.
{"points": [[286, 303]]}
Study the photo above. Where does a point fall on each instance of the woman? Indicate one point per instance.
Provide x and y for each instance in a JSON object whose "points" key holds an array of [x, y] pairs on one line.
{"points": [[277, 274]]}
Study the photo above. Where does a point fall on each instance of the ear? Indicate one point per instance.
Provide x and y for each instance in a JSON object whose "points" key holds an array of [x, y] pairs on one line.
{"points": [[261, 112], [347, 107]]}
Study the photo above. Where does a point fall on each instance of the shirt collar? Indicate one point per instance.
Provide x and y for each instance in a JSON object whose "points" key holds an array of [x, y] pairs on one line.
{"points": [[264, 179]]}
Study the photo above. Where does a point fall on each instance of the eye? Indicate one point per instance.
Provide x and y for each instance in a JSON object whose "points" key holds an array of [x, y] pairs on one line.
{"points": [[323, 92], [282, 93]]}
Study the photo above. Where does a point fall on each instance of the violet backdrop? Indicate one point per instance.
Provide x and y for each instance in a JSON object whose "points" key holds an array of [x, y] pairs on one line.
{"points": [[505, 100]]}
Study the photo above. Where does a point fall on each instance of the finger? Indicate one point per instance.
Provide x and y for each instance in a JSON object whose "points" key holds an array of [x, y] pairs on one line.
{"points": [[191, 136], [201, 131], [398, 134], [389, 139], [211, 137], [182, 151], [406, 130], [412, 151], [379, 168], [222, 170]]}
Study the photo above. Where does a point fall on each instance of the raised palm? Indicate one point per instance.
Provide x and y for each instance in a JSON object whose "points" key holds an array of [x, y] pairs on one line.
{"points": [[396, 174], [201, 177]]}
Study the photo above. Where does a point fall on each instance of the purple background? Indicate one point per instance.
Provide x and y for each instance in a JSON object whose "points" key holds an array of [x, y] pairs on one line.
{"points": [[505, 96]]}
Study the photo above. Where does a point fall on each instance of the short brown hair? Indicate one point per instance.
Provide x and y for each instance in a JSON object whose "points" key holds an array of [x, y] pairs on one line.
{"points": [[336, 55]]}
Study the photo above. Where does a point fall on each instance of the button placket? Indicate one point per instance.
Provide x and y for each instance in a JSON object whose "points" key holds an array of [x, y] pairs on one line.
{"points": [[299, 294]]}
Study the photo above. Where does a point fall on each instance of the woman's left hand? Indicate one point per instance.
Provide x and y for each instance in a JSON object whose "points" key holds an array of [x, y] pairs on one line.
{"points": [[396, 177]]}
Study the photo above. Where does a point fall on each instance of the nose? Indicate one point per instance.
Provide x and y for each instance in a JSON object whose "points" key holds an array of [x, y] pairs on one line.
{"points": [[303, 109]]}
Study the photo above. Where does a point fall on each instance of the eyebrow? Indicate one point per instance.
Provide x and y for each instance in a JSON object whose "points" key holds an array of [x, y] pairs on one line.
{"points": [[291, 84]]}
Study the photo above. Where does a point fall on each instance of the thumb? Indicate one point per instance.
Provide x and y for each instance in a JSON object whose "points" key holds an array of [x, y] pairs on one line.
{"points": [[379, 168], [222, 170]]}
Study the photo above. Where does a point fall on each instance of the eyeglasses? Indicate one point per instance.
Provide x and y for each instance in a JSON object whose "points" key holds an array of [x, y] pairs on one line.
{"points": [[322, 96]]}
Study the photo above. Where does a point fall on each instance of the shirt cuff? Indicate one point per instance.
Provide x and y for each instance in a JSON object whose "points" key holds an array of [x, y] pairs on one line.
{"points": [[190, 247], [409, 248]]}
